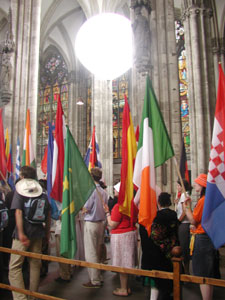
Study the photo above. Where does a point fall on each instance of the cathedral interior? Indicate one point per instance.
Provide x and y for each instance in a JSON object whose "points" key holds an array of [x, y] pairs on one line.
{"points": [[184, 42]]}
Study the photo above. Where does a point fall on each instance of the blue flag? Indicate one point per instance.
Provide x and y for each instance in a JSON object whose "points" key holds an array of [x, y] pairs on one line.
{"points": [[10, 170], [18, 159], [213, 218], [54, 208], [91, 158]]}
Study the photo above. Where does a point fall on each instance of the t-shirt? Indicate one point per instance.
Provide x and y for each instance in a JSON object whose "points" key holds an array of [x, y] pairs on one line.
{"points": [[124, 221], [197, 215], [94, 205], [179, 209], [32, 231]]}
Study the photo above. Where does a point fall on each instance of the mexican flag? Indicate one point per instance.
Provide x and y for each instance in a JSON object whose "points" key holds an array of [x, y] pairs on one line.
{"points": [[28, 152], [154, 148], [78, 186]]}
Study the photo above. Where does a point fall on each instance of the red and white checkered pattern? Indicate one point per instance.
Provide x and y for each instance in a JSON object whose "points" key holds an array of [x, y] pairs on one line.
{"points": [[216, 173]]}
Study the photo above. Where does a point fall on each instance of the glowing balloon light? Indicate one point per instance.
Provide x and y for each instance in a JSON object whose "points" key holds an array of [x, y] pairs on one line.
{"points": [[104, 45]]}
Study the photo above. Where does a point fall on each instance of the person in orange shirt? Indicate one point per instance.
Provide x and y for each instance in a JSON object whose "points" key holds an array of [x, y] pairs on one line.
{"points": [[204, 253]]}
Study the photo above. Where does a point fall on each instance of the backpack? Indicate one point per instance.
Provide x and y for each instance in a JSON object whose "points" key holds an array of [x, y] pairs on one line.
{"points": [[36, 209], [4, 215]]}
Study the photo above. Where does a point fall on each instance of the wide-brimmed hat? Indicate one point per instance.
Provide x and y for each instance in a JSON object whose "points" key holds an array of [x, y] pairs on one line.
{"points": [[117, 187], [28, 188], [201, 180]]}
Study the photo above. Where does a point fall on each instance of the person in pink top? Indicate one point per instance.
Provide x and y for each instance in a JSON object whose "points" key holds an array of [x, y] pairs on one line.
{"points": [[123, 244]]}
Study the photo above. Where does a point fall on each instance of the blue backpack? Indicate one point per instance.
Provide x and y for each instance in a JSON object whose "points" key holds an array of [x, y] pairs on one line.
{"points": [[36, 209]]}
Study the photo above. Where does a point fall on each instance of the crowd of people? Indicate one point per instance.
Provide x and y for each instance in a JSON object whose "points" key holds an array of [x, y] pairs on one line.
{"points": [[28, 229]]}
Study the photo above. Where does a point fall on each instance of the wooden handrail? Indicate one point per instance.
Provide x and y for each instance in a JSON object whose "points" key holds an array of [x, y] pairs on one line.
{"points": [[29, 293], [176, 276]]}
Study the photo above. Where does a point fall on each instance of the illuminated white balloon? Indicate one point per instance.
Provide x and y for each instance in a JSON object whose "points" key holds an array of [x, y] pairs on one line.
{"points": [[104, 45]]}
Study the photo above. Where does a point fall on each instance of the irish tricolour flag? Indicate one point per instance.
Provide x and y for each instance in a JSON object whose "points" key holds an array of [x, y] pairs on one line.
{"points": [[28, 152], [154, 148]]}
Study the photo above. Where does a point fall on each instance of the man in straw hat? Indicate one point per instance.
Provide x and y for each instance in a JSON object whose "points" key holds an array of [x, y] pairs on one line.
{"points": [[94, 228], [28, 235]]}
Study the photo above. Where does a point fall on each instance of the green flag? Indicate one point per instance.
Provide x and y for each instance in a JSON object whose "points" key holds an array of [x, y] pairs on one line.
{"points": [[163, 148], [78, 186]]}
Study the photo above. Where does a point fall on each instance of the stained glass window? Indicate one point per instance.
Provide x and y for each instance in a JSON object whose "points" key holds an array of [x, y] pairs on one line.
{"points": [[53, 84], [119, 88], [183, 83]]}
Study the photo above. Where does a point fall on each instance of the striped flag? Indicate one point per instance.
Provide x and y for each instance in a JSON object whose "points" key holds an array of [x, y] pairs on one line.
{"points": [[91, 158], [213, 220], [129, 150], [44, 161], [183, 164], [54, 209], [58, 154], [28, 152], [10, 169], [3, 167], [7, 144], [18, 159], [154, 148]]}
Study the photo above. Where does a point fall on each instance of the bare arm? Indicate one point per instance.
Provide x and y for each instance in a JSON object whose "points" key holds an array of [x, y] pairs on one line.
{"points": [[19, 224], [111, 223], [188, 212]]}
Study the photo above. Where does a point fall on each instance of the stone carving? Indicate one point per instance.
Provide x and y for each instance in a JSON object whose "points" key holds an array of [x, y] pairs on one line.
{"points": [[141, 41], [6, 48], [141, 3], [6, 72]]}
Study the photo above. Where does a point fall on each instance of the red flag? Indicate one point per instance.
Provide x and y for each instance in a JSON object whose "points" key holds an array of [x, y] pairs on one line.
{"points": [[93, 154], [9, 162], [183, 164], [137, 134], [3, 166], [213, 220], [44, 161], [129, 150], [58, 154]]}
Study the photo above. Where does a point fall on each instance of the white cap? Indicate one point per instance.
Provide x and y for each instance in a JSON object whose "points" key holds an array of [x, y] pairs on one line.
{"points": [[117, 187]]}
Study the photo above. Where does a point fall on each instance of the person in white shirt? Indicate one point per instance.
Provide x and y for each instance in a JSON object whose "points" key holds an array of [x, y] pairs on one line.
{"points": [[184, 227]]}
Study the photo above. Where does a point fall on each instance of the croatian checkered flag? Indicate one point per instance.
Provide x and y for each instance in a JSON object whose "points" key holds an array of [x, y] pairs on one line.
{"points": [[213, 219], [18, 164]]}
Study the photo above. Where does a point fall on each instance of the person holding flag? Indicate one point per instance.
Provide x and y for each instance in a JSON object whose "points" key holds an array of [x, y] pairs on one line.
{"points": [[154, 149], [94, 226], [208, 215], [123, 216], [204, 254]]}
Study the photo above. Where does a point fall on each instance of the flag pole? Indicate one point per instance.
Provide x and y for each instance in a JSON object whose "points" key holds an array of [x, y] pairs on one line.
{"points": [[179, 175], [3, 177]]}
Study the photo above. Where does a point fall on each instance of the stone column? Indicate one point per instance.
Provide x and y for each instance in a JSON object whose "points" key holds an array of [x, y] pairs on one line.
{"points": [[163, 71], [102, 119], [201, 87], [26, 31]]}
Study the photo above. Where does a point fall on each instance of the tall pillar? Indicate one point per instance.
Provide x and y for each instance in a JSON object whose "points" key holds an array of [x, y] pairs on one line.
{"points": [[201, 83], [102, 119], [163, 71], [26, 31]]}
